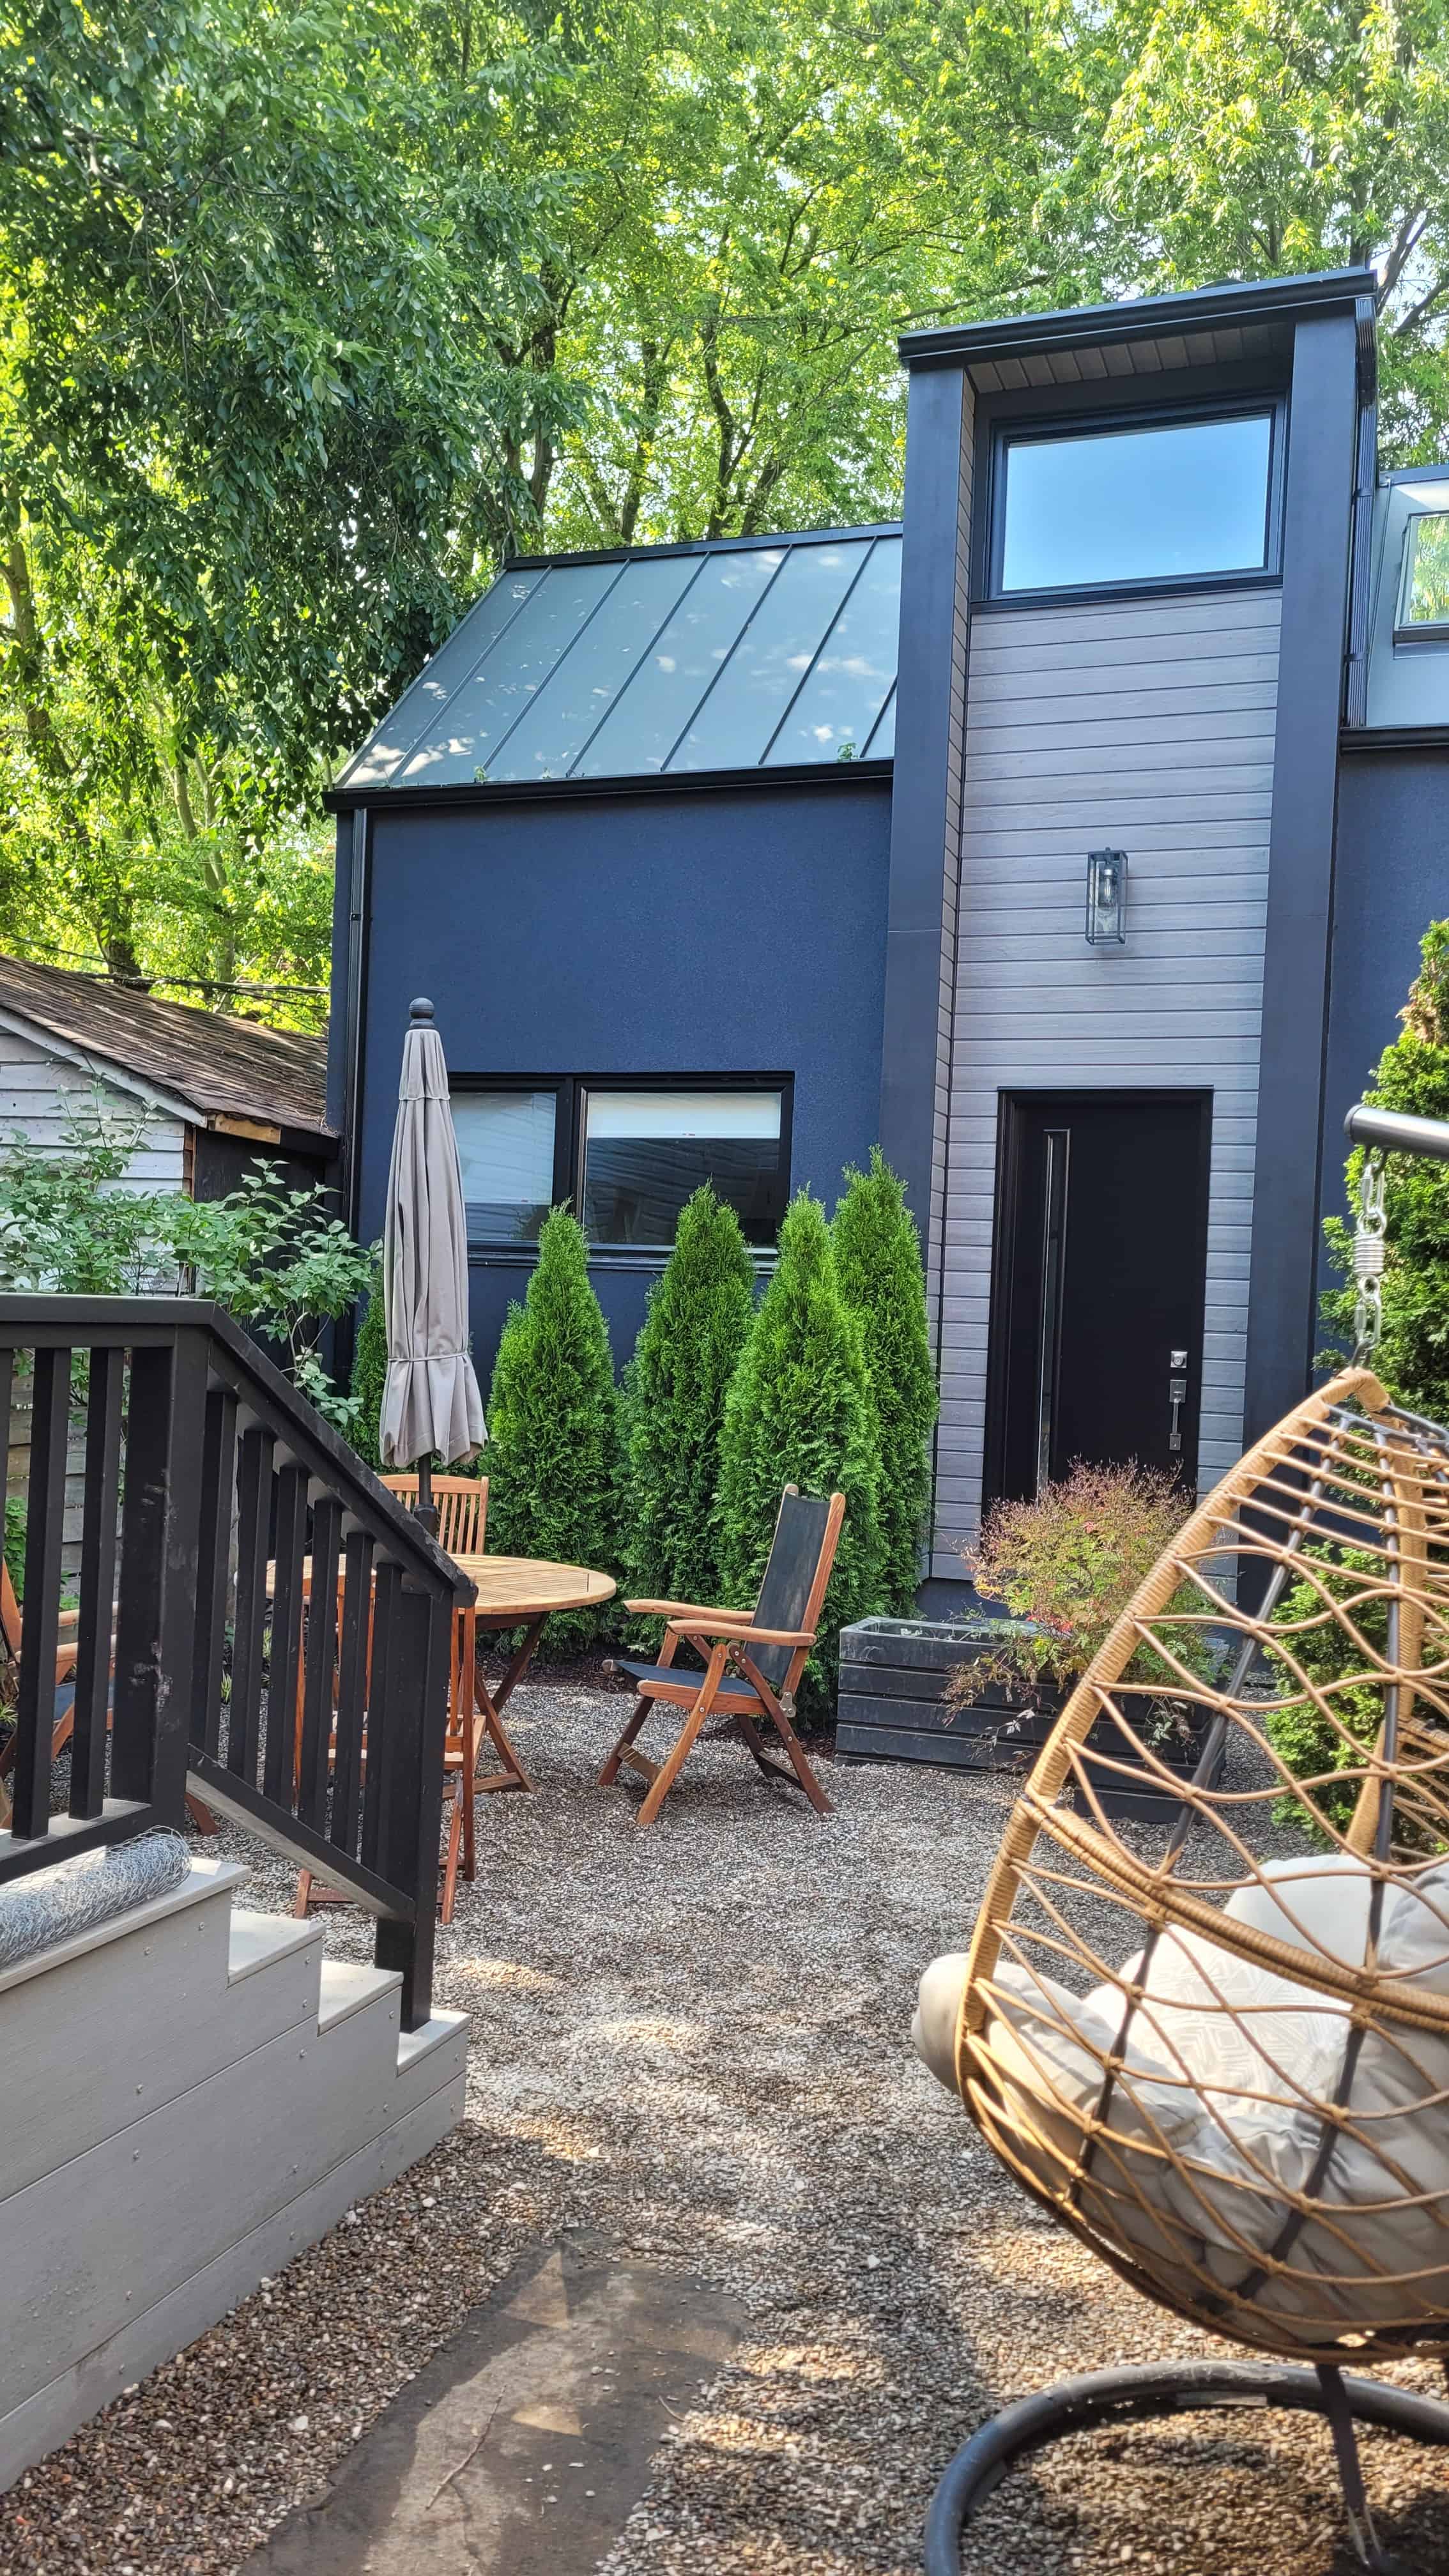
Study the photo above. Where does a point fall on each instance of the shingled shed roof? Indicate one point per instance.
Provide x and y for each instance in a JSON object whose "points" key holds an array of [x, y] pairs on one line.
{"points": [[731, 654], [220, 1069]]}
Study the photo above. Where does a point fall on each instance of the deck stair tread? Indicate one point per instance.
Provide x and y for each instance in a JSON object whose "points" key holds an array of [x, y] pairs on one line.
{"points": [[257, 1940], [414, 2045], [348, 1986]]}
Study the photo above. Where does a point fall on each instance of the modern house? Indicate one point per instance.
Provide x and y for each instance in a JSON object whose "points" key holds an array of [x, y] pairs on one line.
{"points": [[1095, 902]]}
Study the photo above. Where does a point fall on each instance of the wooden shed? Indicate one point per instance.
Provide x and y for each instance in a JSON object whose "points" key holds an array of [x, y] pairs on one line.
{"points": [[215, 1091]]}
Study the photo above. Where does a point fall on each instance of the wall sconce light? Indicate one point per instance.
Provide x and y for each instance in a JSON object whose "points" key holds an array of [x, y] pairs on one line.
{"points": [[1106, 898]]}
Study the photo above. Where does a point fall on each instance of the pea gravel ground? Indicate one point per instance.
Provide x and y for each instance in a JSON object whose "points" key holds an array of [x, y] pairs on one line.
{"points": [[691, 2047]]}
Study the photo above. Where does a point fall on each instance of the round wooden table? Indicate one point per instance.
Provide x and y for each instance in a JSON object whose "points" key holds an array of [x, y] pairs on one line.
{"points": [[515, 1592]]}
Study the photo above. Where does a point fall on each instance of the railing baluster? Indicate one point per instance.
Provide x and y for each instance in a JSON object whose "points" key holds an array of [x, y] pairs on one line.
{"points": [[44, 1522], [99, 1535], [352, 1690], [382, 1697], [156, 1599], [213, 1566], [321, 1659], [279, 1779], [254, 1502], [414, 1808]]}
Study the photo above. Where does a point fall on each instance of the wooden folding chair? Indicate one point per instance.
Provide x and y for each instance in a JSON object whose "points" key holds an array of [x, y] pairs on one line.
{"points": [[753, 1659], [462, 1506]]}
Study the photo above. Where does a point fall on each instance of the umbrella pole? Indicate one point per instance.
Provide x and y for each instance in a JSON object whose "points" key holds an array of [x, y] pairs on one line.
{"points": [[425, 1509]]}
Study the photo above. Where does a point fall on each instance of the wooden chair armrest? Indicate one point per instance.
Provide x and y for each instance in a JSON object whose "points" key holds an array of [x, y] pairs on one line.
{"points": [[69, 1618], [682, 1610], [741, 1630]]}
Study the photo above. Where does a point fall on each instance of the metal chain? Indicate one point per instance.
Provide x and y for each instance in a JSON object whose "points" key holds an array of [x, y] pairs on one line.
{"points": [[1368, 1260]]}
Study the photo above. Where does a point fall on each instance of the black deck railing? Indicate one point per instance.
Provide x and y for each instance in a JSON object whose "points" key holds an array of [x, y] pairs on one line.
{"points": [[257, 1618]]}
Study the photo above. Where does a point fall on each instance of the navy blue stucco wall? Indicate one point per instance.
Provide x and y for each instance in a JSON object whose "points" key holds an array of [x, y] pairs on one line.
{"points": [[710, 932], [1391, 880]]}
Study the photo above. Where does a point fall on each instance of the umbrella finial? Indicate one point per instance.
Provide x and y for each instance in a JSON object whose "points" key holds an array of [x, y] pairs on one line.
{"points": [[421, 1011]]}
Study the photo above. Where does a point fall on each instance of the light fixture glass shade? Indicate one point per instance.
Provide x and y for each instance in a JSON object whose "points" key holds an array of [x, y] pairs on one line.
{"points": [[1106, 898]]}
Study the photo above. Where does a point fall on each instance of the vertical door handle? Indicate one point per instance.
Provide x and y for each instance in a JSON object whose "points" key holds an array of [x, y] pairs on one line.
{"points": [[1177, 1398]]}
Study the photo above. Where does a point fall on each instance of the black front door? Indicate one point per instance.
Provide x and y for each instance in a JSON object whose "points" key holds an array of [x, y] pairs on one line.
{"points": [[1097, 1294]]}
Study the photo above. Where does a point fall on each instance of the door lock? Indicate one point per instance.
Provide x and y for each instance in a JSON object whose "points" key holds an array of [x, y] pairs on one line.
{"points": [[1177, 1398]]}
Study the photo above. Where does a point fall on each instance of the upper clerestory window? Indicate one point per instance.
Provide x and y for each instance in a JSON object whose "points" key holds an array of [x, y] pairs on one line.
{"points": [[1146, 502], [1424, 595]]}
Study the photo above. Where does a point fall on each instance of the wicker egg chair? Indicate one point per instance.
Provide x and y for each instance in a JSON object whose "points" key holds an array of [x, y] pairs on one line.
{"points": [[1218, 2049]]}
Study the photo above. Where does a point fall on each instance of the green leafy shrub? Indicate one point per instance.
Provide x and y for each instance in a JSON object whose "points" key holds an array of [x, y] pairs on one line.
{"points": [[369, 1376], [1068, 1563], [799, 1412], [1326, 1655], [15, 1543], [553, 1456], [697, 1323], [69, 1223], [1413, 1075], [282, 1264], [878, 1261]]}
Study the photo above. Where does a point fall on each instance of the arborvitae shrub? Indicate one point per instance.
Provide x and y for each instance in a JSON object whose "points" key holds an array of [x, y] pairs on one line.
{"points": [[553, 1422], [878, 1261], [695, 1328], [1413, 1075], [799, 1412], [369, 1376]]}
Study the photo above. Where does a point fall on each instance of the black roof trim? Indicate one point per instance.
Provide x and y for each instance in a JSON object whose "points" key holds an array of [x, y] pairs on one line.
{"points": [[545, 791], [1202, 308], [700, 546]]}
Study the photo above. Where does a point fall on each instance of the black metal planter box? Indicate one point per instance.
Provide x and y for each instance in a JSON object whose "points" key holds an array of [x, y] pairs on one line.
{"points": [[893, 1677]]}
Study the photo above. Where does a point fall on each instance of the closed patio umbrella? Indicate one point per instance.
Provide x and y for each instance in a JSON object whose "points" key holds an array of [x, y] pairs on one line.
{"points": [[431, 1400]]}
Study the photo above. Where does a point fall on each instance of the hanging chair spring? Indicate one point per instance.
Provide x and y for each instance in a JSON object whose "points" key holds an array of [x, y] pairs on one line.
{"points": [[1368, 1260]]}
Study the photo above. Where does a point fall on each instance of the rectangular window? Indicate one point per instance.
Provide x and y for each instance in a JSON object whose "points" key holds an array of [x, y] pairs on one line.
{"points": [[1424, 598], [646, 1152], [506, 1144], [1163, 501]]}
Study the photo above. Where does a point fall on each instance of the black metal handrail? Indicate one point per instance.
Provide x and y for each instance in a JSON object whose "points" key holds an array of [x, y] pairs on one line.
{"points": [[258, 1617]]}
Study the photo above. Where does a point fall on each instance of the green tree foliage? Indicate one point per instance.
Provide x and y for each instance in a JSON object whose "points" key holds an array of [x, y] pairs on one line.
{"points": [[255, 426], [369, 1376], [695, 1328], [307, 315], [553, 1421], [800, 1412], [878, 1262], [1413, 1075]]}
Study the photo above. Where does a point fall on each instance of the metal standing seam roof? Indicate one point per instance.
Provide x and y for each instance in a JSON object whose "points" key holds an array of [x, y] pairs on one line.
{"points": [[741, 654]]}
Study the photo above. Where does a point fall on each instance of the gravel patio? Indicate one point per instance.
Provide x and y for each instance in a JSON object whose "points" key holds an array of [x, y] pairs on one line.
{"points": [[691, 2048]]}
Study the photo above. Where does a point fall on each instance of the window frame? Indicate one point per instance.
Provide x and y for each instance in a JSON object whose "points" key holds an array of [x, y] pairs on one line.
{"points": [[1009, 428], [570, 1137], [1418, 630]]}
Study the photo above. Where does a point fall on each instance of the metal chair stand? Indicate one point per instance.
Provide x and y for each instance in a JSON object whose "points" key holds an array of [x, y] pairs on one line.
{"points": [[1138, 2394]]}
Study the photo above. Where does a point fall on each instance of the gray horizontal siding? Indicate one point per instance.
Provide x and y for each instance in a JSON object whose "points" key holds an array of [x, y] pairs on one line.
{"points": [[1148, 728], [41, 1094]]}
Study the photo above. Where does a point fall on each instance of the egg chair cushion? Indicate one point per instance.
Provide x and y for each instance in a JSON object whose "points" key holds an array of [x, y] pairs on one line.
{"points": [[1238, 2093]]}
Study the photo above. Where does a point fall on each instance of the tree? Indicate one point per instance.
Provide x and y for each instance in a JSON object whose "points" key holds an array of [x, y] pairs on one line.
{"points": [[280, 1262], [255, 430], [1161, 144], [697, 1323], [878, 1261], [553, 1420], [800, 1412], [1413, 1075]]}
